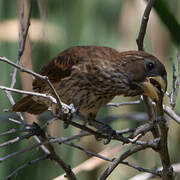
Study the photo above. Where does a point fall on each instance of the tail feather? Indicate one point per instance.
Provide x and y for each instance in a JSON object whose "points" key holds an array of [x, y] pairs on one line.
{"points": [[27, 104]]}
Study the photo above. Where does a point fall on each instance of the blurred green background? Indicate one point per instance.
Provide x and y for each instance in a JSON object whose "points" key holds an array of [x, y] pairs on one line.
{"points": [[60, 24]]}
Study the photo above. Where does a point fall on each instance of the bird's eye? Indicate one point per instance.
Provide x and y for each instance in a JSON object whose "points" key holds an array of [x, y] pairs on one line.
{"points": [[150, 66]]}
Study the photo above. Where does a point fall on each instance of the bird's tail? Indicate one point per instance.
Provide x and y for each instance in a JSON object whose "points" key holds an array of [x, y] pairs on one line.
{"points": [[27, 104]]}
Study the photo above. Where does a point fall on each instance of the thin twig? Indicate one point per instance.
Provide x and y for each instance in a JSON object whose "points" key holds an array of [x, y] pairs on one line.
{"points": [[25, 165], [52, 99], [143, 27], [175, 81], [22, 39], [171, 113], [12, 131], [23, 69], [66, 139], [53, 156], [23, 33], [19, 152], [58, 140], [116, 162], [88, 152], [19, 138], [154, 172], [173, 94], [147, 176], [178, 58], [15, 121], [69, 173], [124, 103]]}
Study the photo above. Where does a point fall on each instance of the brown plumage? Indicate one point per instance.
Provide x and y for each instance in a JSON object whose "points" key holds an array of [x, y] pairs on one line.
{"points": [[91, 76]]}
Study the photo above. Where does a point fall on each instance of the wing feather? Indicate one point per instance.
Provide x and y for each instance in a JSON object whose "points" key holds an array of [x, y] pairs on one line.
{"points": [[57, 69], [61, 66]]}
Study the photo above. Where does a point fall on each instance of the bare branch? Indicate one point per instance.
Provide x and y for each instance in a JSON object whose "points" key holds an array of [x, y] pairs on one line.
{"points": [[25, 165], [12, 131], [173, 94], [171, 113], [175, 81], [52, 99], [116, 162], [94, 162], [167, 171], [15, 121], [146, 176], [178, 77], [23, 30], [153, 172], [22, 39], [23, 69], [124, 103], [88, 152], [143, 27], [58, 140]]}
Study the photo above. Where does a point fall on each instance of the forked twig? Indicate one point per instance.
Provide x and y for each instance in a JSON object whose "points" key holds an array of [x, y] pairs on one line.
{"points": [[23, 69]]}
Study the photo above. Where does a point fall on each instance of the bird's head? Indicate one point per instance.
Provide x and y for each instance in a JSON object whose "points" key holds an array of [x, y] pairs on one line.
{"points": [[146, 72]]}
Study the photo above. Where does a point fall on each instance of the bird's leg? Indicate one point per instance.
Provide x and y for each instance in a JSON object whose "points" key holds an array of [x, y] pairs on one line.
{"points": [[104, 128]]}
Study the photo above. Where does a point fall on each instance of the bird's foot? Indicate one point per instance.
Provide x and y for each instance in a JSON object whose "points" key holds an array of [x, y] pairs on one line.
{"points": [[105, 129], [108, 130]]}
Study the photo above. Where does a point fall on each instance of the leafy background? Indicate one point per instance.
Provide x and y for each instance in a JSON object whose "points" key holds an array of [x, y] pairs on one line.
{"points": [[60, 24]]}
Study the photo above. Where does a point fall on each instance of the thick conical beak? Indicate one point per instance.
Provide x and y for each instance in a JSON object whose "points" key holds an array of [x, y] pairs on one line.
{"points": [[153, 86]]}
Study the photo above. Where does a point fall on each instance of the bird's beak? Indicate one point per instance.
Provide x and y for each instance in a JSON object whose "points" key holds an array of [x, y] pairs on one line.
{"points": [[153, 86]]}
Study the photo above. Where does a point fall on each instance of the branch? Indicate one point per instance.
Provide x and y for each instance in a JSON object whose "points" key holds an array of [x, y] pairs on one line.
{"points": [[171, 113], [93, 162], [52, 99], [88, 152], [22, 39], [167, 172], [173, 94], [23, 69], [53, 156], [143, 27], [153, 172], [124, 103], [25, 165], [116, 162], [146, 176], [175, 81], [57, 140], [12, 131]]}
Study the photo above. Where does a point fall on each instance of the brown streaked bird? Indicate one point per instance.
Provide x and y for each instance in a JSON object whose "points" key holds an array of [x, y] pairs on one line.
{"points": [[90, 76]]}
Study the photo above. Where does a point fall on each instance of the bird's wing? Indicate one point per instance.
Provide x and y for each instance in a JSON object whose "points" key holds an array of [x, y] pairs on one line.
{"points": [[58, 68], [61, 66]]}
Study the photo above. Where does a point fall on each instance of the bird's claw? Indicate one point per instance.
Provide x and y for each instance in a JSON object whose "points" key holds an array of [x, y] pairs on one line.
{"points": [[105, 129], [108, 130]]}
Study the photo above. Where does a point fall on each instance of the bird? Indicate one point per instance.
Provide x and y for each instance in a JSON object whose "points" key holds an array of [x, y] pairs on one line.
{"points": [[91, 76]]}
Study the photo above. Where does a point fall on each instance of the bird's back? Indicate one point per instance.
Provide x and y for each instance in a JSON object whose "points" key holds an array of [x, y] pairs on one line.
{"points": [[75, 76]]}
